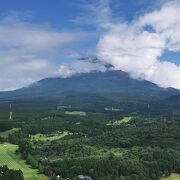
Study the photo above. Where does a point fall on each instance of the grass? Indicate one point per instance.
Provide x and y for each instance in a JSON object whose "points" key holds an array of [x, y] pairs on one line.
{"points": [[50, 137], [79, 113], [173, 176], [125, 120], [5, 134], [13, 161]]}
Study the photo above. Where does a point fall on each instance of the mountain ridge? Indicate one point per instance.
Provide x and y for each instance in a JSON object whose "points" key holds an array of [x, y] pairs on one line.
{"points": [[99, 82]]}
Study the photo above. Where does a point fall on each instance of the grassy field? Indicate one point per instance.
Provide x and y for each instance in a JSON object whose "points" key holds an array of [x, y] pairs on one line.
{"points": [[13, 161], [43, 137], [79, 113], [172, 177], [5, 134], [125, 120]]}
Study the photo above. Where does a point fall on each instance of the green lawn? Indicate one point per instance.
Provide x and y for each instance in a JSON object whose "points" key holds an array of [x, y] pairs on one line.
{"points": [[5, 134], [79, 113], [13, 161], [50, 137], [125, 120], [172, 177]]}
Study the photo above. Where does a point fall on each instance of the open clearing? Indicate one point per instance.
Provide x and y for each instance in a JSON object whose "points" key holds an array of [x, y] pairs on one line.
{"points": [[79, 113], [125, 120], [49, 137], [13, 161], [173, 176], [5, 134]]}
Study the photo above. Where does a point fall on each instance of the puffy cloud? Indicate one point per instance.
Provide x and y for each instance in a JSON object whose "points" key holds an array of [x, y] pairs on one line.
{"points": [[166, 22], [136, 47]]}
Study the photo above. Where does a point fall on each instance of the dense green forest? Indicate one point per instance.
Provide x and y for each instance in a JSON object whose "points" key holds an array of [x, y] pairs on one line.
{"points": [[9, 174], [99, 144]]}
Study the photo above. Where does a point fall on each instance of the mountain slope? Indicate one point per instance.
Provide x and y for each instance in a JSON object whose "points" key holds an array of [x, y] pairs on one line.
{"points": [[112, 85]]}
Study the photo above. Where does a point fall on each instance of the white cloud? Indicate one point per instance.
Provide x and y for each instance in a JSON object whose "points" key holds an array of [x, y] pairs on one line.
{"points": [[97, 13], [81, 66], [27, 51], [134, 49]]}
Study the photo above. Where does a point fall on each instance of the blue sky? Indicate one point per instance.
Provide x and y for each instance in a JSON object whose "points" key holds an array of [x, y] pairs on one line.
{"points": [[42, 38], [59, 14]]}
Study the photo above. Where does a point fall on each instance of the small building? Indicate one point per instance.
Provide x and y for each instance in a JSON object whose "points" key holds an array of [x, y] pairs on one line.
{"points": [[81, 177]]}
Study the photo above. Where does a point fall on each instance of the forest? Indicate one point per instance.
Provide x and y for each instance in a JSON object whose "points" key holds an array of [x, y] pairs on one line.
{"points": [[100, 144], [8, 174]]}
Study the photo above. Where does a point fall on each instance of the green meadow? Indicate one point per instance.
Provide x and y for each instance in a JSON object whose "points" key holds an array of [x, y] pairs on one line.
{"points": [[125, 120], [49, 137], [173, 176], [13, 161]]}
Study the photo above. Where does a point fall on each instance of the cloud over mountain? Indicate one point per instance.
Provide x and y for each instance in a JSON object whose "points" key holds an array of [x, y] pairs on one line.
{"points": [[85, 65], [136, 47], [31, 50]]}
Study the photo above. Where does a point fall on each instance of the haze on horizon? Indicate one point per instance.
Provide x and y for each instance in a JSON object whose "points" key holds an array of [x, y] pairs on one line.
{"points": [[39, 39]]}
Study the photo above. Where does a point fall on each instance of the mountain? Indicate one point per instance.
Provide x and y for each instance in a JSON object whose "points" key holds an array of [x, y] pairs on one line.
{"points": [[111, 87], [173, 101]]}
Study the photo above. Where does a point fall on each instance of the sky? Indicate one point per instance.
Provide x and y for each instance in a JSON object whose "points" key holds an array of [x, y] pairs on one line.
{"points": [[43, 38]]}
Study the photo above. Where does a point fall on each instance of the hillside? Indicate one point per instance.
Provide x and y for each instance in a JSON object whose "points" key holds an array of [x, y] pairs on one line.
{"points": [[102, 82]]}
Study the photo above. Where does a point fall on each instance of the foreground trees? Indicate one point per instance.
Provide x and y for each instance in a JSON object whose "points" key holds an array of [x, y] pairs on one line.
{"points": [[10, 174], [142, 148]]}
